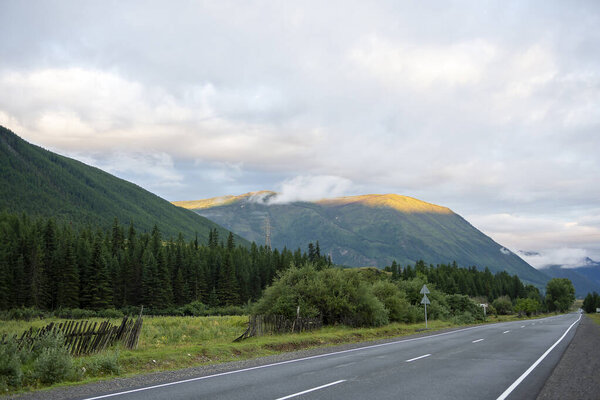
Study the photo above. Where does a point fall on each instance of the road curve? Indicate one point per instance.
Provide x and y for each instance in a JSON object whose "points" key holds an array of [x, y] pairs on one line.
{"points": [[507, 360]]}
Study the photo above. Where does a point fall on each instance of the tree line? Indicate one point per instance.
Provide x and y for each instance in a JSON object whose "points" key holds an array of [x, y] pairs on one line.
{"points": [[48, 265], [450, 278]]}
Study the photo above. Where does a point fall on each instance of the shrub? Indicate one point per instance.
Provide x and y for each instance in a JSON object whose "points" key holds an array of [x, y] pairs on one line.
{"points": [[53, 362], [106, 363], [463, 318], [11, 374], [527, 306], [503, 305], [74, 313], [460, 305], [23, 313], [393, 299], [338, 296], [110, 313], [195, 308]]}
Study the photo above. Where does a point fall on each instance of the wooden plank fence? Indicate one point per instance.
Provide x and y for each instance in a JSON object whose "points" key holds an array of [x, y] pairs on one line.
{"points": [[85, 337], [259, 325]]}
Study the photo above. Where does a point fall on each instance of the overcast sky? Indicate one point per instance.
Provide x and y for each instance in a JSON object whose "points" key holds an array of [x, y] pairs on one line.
{"points": [[489, 108]]}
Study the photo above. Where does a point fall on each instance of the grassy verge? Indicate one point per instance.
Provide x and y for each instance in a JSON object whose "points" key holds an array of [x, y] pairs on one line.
{"points": [[168, 343], [595, 317]]}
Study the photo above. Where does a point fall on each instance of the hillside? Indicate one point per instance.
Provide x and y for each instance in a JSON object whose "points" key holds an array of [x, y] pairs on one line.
{"points": [[40, 182], [585, 278], [365, 230]]}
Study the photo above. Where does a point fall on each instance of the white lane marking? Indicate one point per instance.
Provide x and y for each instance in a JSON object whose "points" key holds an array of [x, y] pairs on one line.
{"points": [[344, 365], [516, 383], [505, 331], [280, 363], [311, 390], [522, 326], [417, 358], [478, 340]]}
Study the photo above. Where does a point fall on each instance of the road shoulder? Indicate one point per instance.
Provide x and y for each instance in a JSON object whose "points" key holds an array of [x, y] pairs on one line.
{"points": [[577, 376]]}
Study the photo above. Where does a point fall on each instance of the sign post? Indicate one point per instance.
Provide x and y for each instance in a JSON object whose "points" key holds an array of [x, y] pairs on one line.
{"points": [[425, 301], [484, 305]]}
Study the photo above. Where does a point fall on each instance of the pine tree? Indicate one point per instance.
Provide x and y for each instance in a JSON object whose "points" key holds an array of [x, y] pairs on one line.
{"points": [[227, 287], [101, 290], [68, 285]]}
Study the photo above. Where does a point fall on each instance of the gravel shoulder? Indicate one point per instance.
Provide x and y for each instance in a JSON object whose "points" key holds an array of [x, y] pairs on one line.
{"points": [[577, 375]]}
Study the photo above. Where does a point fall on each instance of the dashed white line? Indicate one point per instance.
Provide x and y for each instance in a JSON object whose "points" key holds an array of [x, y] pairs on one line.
{"points": [[478, 340], [417, 358], [505, 331], [522, 326], [311, 390]]}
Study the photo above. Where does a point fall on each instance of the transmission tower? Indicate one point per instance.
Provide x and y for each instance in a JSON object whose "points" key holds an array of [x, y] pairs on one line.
{"points": [[268, 232]]}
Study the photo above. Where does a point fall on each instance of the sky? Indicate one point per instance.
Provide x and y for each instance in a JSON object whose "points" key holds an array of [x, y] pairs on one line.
{"points": [[491, 108]]}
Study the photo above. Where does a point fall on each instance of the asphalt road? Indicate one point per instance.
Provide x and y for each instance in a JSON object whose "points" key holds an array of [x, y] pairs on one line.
{"points": [[507, 360]]}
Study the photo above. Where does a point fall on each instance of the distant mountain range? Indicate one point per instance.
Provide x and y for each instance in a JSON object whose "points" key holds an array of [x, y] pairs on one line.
{"points": [[585, 278], [40, 182], [369, 230]]}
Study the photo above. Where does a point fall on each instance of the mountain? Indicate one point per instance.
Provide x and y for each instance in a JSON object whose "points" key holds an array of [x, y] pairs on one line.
{"points": [[585, 278], [365, 230], [40, 182]]}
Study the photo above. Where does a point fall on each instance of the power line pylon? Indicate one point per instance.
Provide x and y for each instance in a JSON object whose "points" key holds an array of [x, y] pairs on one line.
{"points": [[268, 233]]}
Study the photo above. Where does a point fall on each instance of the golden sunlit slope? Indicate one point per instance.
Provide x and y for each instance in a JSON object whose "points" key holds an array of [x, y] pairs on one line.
{"points": [[399, 203], [221, 200]]}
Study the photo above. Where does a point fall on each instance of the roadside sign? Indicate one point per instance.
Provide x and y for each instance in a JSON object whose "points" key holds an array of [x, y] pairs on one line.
{"points": [[425, 301], [484, 305]]}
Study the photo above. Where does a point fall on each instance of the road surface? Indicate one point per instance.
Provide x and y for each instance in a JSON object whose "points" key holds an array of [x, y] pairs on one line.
{"points": [[507, 360]]}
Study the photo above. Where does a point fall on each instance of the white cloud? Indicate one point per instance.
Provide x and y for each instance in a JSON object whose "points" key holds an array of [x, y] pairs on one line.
{"points": [[564, 257], [423, 66], [557, 241], [311, 188]]}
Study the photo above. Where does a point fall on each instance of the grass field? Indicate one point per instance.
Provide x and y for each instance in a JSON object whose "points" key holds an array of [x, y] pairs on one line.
{"points": [[178, 342]]}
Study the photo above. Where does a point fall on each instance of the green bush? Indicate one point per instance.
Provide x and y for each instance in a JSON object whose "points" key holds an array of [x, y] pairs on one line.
{"points": [[74, 313], [23, 313], [52, 361], [338, 296], [503, 305], [464, 318], [11, 374], [460, 305], [195, 308], [110, 313], [106, 363], [393, 299]]}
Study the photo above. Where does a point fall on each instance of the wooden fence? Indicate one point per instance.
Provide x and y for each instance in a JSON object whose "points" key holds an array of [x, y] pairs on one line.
{"points": [[85, 337], [259, 325]]}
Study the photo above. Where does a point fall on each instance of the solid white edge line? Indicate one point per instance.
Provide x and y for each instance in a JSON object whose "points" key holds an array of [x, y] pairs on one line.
{"points": [[417, 358], [279, 363], [311, 390], [520, 379], [478, 340]]}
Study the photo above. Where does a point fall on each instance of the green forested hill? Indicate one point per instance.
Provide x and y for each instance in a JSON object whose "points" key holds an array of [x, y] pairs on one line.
{"points": [[38, 182], [366, 230]]}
